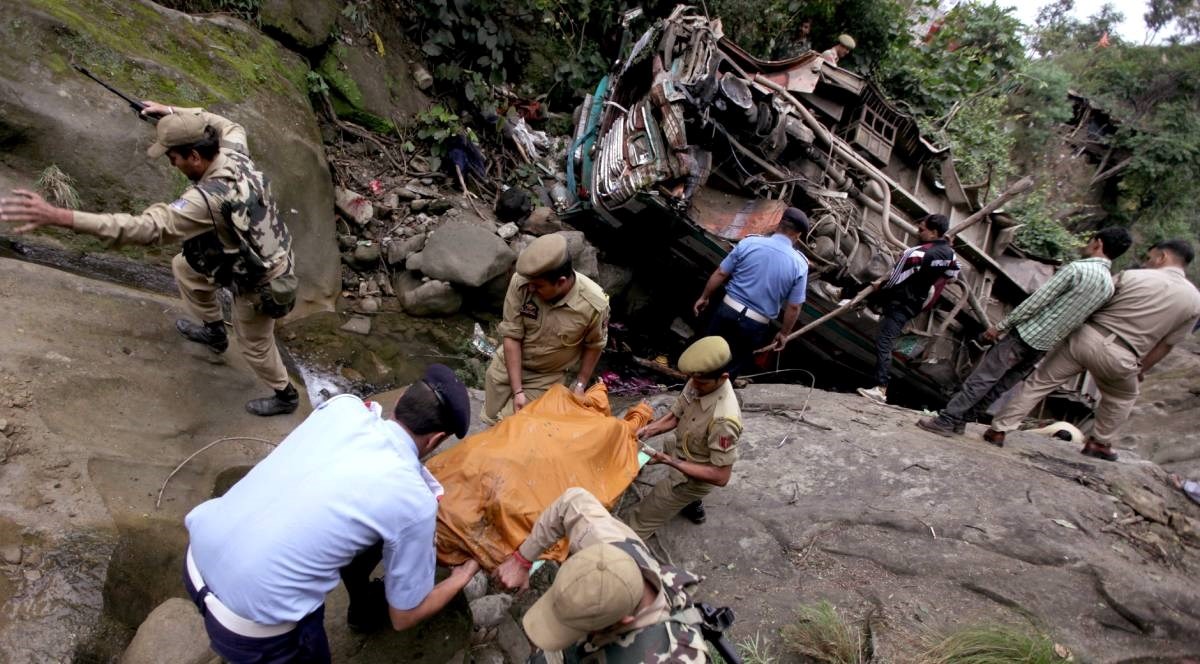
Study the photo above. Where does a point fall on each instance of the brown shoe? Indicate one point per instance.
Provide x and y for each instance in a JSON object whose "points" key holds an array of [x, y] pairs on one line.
{"points": [[1093, 449], [936, 425], [994, 437]]}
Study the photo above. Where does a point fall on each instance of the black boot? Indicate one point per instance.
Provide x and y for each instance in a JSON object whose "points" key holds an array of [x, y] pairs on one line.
{"points": [[694, 512], [285, 401], [210, 334]]}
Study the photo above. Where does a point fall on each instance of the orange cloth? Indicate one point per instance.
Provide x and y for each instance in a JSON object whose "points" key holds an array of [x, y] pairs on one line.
{"points": [[498, 481]]}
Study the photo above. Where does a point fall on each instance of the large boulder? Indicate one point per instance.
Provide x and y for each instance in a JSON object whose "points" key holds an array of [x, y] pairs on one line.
{"points": [[173, 632], [370, 74], [463, 253], [303, 23], [432, 298], [59, 117]]}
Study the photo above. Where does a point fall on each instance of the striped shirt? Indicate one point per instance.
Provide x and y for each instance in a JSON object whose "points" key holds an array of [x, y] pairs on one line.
{"points": [[1061, 304]]}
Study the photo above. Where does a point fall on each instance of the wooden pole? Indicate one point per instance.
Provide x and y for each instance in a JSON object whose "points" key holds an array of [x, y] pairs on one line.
{"points": [[1019, 187], [862, 295]]}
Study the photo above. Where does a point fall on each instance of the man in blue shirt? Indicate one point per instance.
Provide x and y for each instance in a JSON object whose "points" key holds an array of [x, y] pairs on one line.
{"points": [[762, 273], [345, 490]]}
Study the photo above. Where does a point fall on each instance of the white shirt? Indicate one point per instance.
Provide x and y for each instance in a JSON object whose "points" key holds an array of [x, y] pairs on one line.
{"points": [[270, 549]]}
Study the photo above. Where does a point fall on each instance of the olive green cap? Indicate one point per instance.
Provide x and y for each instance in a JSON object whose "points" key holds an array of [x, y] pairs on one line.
{"points": [[175, 130], [594, 589], [706, 356], [546, 253]]}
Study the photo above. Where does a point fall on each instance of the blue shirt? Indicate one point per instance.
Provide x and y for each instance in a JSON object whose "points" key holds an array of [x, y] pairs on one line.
{"points": [[766, 271], [270, 549]]}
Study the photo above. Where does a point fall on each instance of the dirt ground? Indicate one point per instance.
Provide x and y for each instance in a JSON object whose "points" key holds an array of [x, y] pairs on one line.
{"points": [[834, 498]]}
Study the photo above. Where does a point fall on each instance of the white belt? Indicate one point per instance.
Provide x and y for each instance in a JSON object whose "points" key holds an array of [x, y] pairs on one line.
{"points": [[228, 619], [747, 311]]}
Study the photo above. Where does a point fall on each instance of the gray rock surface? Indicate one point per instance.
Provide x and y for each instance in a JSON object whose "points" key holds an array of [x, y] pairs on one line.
{"points": [[512, 640], [308, 23], [463, 253], [358, 325], [487, 655], [614, 279], [432, 298], [397, 251], [353, 205], [173, 632], [507, 231], [542, 221], [477, 587], [489, 610]]}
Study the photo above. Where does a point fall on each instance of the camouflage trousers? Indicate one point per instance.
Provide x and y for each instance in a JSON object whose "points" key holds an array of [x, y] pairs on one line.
{"points": [[255, 330], [664, 501]]}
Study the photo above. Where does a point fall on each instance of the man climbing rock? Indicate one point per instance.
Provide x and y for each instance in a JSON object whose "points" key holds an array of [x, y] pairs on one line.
{"points": [[343, 492], [761, 275], [707, 422], [611, 600], [929, 265], [554, 319], [1034, 328], [1153, 309], [232, 238]]}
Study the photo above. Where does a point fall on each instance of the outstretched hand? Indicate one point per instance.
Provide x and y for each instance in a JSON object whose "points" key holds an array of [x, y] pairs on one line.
{"points": [[512, 574], [156, 110], [32, 211]]}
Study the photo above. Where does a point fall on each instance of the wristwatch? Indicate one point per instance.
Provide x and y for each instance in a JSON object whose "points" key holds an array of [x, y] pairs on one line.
{"points": [[579, 385]]}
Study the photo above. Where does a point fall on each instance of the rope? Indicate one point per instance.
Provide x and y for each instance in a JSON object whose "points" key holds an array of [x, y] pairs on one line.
{"points": [[158, 503]]}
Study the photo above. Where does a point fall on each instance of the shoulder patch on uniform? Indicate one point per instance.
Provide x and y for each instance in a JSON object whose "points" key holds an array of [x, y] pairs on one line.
{"points": [[592, 293], [179, 204]]}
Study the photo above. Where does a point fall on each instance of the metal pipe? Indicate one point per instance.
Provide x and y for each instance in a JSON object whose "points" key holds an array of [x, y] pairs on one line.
{"points": [[846, 153]]}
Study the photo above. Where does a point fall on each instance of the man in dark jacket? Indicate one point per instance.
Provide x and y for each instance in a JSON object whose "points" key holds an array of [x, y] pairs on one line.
{"points": [[907, 292]]}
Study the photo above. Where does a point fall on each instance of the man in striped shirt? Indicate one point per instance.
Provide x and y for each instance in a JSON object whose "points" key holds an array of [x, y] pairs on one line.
{"points": [[1043, 320], [928, 265]]}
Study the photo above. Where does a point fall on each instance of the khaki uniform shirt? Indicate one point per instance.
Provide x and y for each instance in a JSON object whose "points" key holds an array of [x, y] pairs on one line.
{"points": [[190, 215], [709, 426], [579, 517], [1150, 306], [554, 334]]}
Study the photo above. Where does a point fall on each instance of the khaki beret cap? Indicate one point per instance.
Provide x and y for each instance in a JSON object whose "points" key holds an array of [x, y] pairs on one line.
{"points": [[707, 355], [176, 130], [847, 41], [542, 255]]}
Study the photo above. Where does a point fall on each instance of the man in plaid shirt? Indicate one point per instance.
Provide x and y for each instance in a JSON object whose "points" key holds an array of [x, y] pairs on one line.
{"points": [[1043, 320]]}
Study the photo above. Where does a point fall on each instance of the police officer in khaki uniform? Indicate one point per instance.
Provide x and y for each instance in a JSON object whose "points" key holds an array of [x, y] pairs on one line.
{"points": [[611, 602], [554, 318], [707, 422], [231, 233]]}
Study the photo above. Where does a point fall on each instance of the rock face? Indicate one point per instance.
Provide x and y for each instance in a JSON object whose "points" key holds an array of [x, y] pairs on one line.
{"points": [[307, 23], [173, 632], [463, 253], [542, 221], [151, 52], [432, 298]]}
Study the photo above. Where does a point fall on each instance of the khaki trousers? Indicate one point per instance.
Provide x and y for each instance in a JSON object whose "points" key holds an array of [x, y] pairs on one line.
{"points": [[255, 331], [498, 394], [1111, 364], [664, 501]]}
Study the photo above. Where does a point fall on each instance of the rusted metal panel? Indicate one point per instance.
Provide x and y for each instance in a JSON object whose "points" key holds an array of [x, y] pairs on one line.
{"points": [[733, 217]]}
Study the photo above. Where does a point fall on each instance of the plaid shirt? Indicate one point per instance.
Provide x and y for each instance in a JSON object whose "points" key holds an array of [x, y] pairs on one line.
{"points": [[1061, 304]]}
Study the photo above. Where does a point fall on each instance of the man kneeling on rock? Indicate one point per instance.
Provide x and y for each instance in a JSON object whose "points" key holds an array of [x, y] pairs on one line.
{"points": [[345, 490], [232, 237], [554, 319], [611, 600], [707, 422]]}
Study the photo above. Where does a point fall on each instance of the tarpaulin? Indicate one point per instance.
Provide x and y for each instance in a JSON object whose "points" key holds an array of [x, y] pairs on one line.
{"points": [[500, 480]]}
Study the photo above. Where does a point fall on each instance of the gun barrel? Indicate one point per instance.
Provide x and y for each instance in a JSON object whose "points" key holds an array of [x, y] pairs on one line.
{"points": [[133, 103]]}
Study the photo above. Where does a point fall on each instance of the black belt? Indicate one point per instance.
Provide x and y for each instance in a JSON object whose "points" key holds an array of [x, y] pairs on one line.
{"points": [[1115, 337]]}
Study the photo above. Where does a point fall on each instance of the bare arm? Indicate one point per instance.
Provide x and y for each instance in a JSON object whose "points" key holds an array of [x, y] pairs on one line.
{"points": [[662, 425], [32, 211], [587, 366], [436, 600], [715, 281], [790, 314], [512, 364], [1160, 350], [715, 475]]}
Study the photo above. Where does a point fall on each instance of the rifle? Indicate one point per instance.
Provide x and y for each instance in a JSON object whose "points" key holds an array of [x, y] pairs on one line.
{"points": [[136, 105], [713, 625]]}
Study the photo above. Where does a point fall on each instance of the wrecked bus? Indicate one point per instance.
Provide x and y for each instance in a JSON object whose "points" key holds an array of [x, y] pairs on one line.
{"points": [[691, 144]]}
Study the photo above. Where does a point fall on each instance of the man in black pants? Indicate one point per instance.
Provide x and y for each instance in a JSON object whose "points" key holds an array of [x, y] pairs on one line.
{"points": [[906, 293]]}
